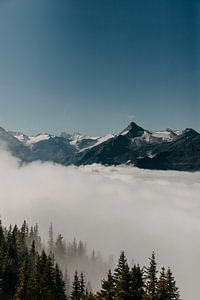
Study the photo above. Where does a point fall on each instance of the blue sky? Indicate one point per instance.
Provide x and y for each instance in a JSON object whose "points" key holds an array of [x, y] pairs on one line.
{"points": [[93, 65]]}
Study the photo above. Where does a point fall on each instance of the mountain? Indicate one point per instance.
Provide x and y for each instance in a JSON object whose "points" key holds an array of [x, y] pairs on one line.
{"points": [[163, 150], [9, 142]]}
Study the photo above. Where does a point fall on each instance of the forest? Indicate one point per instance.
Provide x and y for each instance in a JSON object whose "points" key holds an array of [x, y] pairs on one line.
{"points": [[30, 270]]}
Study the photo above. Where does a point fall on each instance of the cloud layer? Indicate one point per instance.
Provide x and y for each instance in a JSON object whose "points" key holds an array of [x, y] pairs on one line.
{"points": [[112, 208]]}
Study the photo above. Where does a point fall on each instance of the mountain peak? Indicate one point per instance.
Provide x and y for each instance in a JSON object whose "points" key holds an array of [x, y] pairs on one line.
{"points": [[132, 130], [190, 132]]}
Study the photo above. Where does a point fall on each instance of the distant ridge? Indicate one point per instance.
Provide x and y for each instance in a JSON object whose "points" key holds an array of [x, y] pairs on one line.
{"points": [[162, 150]]}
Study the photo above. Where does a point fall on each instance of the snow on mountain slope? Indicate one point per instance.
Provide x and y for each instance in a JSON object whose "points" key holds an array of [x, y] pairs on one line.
{"points": [[104, 138], [28, 140], [79, 141], [38, 138], [83, 142], [166, 135], [163, 149], [20, 136]]}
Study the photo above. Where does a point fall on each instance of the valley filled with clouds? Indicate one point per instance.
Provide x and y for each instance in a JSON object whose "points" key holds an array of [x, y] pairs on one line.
{"points": [[112, 209]]}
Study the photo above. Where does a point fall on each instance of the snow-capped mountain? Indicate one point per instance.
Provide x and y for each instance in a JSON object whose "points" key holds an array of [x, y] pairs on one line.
{"points": [[164, 149]]}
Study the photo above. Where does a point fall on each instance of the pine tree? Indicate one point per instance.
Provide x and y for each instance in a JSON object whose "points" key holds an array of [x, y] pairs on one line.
{"points": [[49, 278], [76, 294], [151, 280], [32, 257], [51, 241], [60, 250], [137, 283], [59, 284], [35, 270], [172, 289], [107, 287], [122, 279], [162, 286], [26, 275], [10, 263], [82, 287], [22, 285], [37, 285]]}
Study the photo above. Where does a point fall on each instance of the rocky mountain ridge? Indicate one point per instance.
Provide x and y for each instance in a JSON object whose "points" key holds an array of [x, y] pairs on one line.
{"points": [[163, 150]]}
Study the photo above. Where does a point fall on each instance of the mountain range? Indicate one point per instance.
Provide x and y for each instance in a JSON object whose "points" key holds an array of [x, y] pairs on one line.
{"points": [[162, 150]]}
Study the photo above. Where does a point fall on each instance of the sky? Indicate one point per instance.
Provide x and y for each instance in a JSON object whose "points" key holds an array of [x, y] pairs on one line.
{"points": [[93, 66], [112, 209]]}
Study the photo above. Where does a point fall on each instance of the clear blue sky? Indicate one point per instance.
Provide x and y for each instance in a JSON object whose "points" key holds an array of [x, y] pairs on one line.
{"points": [[91, 65]]}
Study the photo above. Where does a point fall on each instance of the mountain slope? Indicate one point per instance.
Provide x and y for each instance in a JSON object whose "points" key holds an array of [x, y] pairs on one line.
{"points": [[164, 150]]}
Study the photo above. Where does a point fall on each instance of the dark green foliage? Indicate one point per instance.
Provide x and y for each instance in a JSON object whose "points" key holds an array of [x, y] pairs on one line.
{"points": [[46, 280], [107, 287], [172, 289], [82, 286], [59, 284], [23, 280], [137, 283], [24, 274], [133, 285], [122, 279], [151, 279], [162, 286], [27, 273], [76, 289], [10, 263]]}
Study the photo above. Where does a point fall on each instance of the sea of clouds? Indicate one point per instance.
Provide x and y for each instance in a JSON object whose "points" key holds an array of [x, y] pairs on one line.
{"points": [[112, 208]]}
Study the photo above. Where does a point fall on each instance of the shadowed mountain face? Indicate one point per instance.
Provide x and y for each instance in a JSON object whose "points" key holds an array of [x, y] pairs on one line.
{"points": [[163, 150]]}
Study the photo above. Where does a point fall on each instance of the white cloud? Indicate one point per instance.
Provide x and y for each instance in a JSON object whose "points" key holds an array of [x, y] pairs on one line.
{"points": [[112, 208], [131, 117]]}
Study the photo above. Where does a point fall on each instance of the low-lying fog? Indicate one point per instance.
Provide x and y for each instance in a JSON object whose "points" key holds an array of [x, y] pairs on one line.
{"points": [[112, 208]]}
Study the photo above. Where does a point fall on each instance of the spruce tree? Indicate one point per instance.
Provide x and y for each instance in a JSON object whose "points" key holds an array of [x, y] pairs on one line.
{"points": [[172, 289], [122, 279], [82, 287], [51, 241], [22, 285], [10, 263], [49, 278], [59, 284], [76, 293], [107, 287], [162, 286], [151, 279], [137, 283], [60, 250], [37, 285]]}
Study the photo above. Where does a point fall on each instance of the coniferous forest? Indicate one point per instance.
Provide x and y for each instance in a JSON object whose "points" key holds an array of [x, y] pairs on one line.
{"points": [[30, 270]]}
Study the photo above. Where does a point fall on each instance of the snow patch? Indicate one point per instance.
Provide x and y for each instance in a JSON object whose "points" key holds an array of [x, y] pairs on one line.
{"points": [[38, 138], [165, 135]]}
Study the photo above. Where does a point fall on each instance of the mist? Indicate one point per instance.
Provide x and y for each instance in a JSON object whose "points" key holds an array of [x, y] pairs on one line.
{"points": [[112, 209]]}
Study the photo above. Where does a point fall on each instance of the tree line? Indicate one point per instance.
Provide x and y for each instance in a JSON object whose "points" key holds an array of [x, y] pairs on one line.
{"points": [[74, 255], [134, 283], [29, 272]]}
